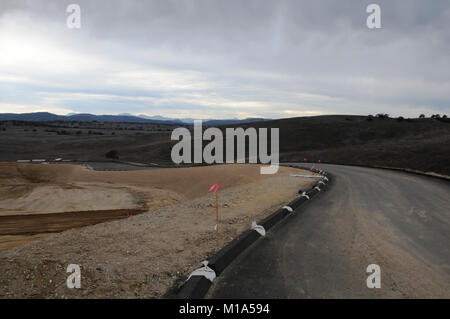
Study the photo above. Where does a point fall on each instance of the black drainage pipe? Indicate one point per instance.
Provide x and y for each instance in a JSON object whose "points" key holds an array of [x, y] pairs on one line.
{"points": [[197, 286]]}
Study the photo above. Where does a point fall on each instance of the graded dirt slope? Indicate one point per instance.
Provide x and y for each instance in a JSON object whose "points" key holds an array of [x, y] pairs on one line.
{"points": [[52, 188], [143, 255], [41, 199]]}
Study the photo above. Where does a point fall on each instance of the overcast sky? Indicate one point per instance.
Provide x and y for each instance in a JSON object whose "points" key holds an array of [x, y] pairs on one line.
{"points": [[224, 58]]}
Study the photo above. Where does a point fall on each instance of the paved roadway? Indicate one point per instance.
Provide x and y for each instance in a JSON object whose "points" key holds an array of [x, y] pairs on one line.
{"points": [[396, 220]]}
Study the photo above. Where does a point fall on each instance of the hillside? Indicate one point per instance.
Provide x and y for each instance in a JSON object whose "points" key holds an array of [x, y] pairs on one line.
{"points": [[419, 144], [121, 118]]}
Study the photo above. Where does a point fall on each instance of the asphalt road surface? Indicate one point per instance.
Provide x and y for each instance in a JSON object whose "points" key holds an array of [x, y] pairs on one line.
{"points": [[396, 220]]}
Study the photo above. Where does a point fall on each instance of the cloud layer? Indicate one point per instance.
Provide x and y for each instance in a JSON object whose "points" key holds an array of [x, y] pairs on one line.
{"points": [[225, 59]]}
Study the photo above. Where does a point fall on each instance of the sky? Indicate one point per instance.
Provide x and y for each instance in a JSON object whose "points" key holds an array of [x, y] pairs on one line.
{"points": [[225, 58]]}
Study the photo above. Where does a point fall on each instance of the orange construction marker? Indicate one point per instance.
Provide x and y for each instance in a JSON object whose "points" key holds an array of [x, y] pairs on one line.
{"points": [[215, 187]]}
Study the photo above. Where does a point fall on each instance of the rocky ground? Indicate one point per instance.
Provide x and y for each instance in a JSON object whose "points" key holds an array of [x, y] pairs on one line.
{"points": [[143, 256]]}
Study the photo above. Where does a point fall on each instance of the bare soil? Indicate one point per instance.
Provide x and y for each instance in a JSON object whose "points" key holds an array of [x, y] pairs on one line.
{"points": [[141, 255]]}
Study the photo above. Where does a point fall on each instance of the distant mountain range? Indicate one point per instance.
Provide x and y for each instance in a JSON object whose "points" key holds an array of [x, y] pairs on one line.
{"points": [[124, 118]]}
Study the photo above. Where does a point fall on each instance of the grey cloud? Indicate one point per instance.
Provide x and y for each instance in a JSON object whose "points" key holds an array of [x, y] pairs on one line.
{"points": [[250, 50]]}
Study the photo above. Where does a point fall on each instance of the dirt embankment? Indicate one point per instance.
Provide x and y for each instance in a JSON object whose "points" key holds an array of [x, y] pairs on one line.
{"points": [[37, 188], [143, 255], [31, 193]]}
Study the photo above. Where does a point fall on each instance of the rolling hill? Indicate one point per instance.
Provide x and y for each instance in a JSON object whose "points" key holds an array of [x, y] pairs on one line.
{"points": [[418, 144], [121, 118]]}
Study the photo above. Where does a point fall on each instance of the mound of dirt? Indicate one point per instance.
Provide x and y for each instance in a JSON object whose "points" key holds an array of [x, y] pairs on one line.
{"points": [[189, 182], [20, 173], [55, 188]]}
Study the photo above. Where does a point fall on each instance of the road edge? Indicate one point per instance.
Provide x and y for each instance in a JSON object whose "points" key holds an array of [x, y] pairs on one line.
{"points": [[198, 284]]}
